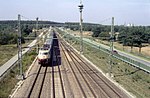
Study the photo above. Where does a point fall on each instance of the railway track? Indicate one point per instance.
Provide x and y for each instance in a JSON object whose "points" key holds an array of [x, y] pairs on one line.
{"points": [[68, 76], [44, 81], [77, 73], [98, 85], [58, 65]]}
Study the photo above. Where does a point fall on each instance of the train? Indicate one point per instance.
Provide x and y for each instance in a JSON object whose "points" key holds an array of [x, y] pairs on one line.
{"points": [[46, 51]]}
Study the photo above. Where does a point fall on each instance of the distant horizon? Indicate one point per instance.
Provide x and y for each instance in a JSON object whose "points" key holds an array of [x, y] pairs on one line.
{"points": [[74, 22], [128, 11]]}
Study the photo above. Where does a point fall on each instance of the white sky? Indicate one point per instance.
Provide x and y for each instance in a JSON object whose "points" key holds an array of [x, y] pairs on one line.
{"points": [[95, 11]]}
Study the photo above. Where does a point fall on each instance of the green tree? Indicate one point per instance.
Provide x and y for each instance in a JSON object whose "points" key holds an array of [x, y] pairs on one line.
{"points": [[104, 35], [96, 32]]}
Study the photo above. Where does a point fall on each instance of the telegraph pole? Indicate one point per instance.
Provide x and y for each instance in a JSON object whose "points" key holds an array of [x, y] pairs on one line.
{"points": [[81, 33], [111, 46], [37, 49], [112, 34], [20, 49], [36, 26]]}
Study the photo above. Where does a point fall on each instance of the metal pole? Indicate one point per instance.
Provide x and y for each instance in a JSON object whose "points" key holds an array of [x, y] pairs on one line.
{"points": [[81, 33], [20, 49], [111, 46], [36, 26], [112, 34]]}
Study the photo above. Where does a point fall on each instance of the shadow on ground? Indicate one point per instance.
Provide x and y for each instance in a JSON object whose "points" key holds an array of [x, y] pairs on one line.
{"points": [[127, 73]]}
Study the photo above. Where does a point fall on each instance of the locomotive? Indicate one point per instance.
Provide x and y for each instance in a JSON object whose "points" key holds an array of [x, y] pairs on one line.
{"points": [[45, 53]]}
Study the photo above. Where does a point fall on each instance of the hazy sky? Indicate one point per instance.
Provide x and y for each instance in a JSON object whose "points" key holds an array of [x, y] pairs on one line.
{"points": [[95, 11]]}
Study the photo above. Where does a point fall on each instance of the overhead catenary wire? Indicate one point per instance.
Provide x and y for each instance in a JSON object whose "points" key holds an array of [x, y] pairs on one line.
{"points": [[105, 20]]}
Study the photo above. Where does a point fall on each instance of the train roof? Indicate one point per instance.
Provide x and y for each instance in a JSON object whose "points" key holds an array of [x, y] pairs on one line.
{"points": [[48, 41], [49, 38]]}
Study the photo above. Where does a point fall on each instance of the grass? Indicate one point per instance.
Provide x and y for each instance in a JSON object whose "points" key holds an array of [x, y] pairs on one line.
{"points": [[133, 79], [6, 52], [9, 81]]}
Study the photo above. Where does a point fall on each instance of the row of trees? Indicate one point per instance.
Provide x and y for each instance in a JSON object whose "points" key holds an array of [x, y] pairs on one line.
{"points": [[8, 30], [135, 36], [9, 35], [5, 36], [9, 38]]}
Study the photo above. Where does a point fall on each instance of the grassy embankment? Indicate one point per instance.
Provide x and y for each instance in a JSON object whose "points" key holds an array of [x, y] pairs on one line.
{"points": [[133, 79]]}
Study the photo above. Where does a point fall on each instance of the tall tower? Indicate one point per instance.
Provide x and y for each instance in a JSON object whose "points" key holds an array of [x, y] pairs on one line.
{"points": [[81, 33]]}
